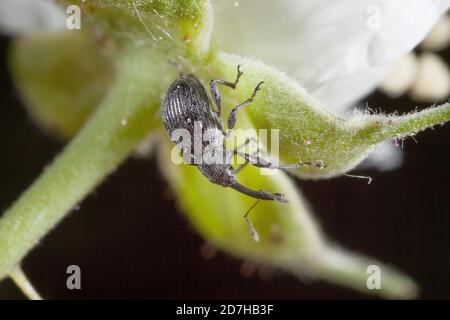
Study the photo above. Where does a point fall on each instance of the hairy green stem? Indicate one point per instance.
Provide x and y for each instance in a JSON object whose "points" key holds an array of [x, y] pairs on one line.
{"points": [[22, 281], [377, 128], [125, 116], [412, 123]]}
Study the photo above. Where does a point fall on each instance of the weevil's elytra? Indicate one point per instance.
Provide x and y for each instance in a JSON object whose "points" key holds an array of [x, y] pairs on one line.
{"points": [[187, 103]]}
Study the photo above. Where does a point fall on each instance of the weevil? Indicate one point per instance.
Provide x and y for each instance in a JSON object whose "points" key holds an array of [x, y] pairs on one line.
{"points": [[187, 103]]}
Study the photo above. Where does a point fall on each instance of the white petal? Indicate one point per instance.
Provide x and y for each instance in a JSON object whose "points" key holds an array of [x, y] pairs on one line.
{"points": [[24, 16], [341, 94], [401, 75], [439, 36], [385, 157], [433, 79], [325, 40]]}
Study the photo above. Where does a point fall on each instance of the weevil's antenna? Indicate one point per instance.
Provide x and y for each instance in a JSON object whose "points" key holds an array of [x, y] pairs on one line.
{"points": [[142, 20], [369, 179], [253, 231]]}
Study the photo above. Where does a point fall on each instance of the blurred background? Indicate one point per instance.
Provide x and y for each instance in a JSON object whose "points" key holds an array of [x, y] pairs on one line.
{"points": [[131, 242]]}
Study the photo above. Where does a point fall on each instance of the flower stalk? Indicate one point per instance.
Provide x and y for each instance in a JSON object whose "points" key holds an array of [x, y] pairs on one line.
{"points": [[379, 128], [95, 152], [22, 281]]}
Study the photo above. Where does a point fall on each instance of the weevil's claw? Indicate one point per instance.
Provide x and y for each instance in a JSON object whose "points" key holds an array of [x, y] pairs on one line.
{"points": [[253, 233], [239, 69], [257, 88]]}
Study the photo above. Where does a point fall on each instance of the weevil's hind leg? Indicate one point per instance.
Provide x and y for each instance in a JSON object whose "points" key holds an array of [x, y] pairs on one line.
{"points": [[258, 194], [253, 233], [215, 92], [232, 115], [263, 163]]}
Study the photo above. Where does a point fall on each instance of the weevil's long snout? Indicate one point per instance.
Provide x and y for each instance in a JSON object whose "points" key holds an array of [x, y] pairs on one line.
{"points": [[260, 194]]}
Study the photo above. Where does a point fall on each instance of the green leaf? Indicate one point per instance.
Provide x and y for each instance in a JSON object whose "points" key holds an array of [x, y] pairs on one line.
{"points": [[122, 120], [290, 239], [54, 74]]}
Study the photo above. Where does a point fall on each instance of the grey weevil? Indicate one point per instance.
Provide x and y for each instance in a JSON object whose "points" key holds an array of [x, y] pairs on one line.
{"points": [[187, 103]]}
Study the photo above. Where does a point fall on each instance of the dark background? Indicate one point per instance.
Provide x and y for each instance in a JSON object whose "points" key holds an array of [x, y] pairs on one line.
{"points": [[131, 242]]}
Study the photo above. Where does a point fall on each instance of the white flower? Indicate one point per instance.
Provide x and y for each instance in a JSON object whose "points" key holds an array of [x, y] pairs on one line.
{"points": [[340, 50], [439, 36], [433, 78], [25, 16], [426, 77]]}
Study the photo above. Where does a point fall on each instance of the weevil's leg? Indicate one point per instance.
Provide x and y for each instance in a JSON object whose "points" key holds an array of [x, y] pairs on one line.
{"points": [[232, 115], [215, 92], [258, 194], [263, 163], [253, 232], [247, 141]]}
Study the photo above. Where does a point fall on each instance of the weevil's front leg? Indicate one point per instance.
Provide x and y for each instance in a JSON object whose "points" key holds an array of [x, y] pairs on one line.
{"points": [[232, 115], [263, 163], [215, 92]]}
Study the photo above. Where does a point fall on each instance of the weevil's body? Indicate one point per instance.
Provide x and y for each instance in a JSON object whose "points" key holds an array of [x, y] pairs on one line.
{"points": [[187, 106]]}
